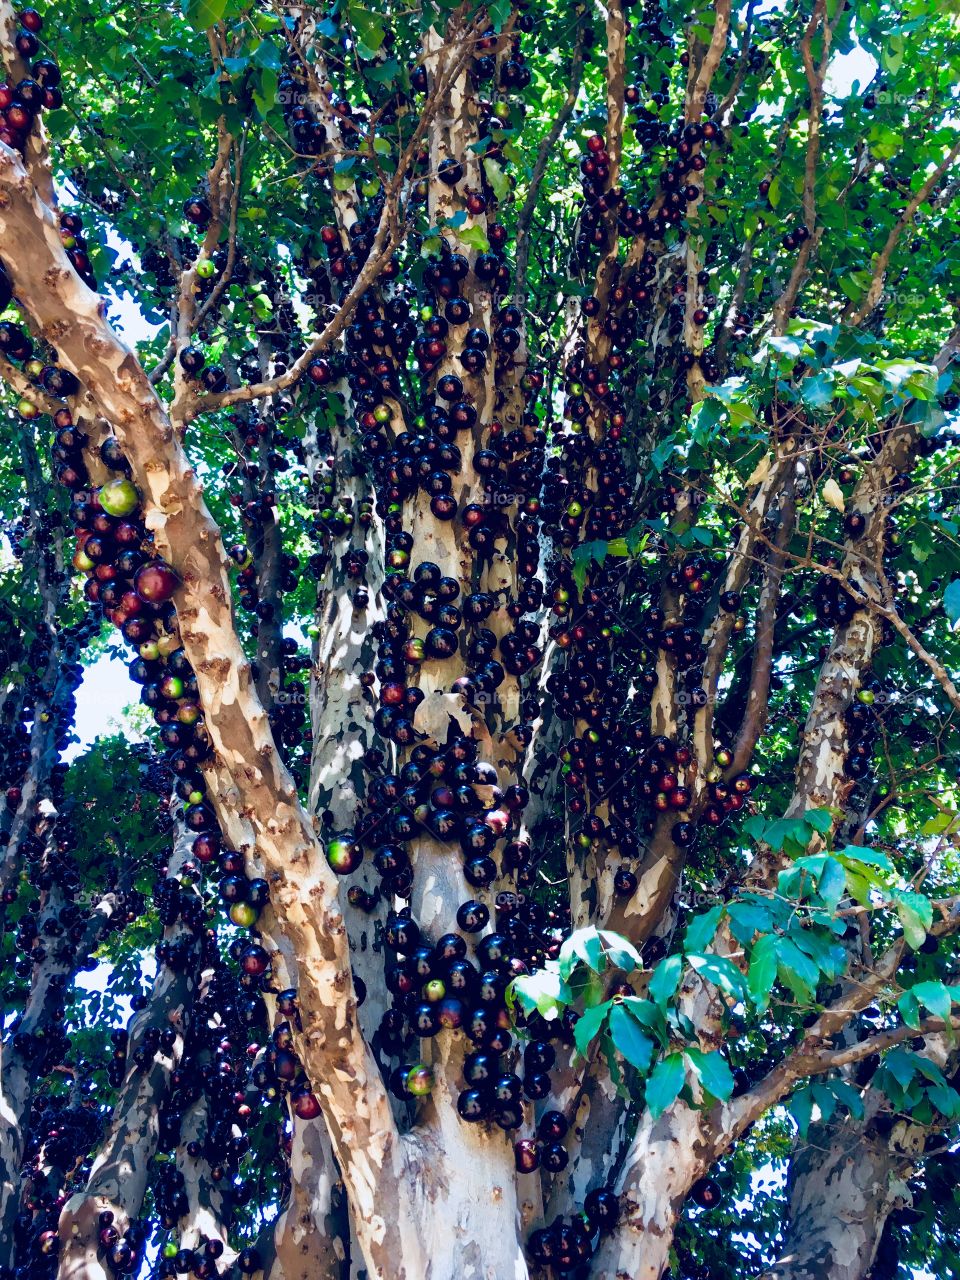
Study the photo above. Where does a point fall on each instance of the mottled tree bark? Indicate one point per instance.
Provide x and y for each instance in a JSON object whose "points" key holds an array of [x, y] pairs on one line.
{"points": [[845, 1180], [120, 1171]]}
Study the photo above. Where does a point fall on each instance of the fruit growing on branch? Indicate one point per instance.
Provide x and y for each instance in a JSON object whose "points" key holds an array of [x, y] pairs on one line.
{"points": [[526, 522]]}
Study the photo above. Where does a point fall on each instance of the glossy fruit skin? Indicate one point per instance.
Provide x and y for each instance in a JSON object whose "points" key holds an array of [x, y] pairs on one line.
{"points": [[306, 1106], [602, 1208], [420, 1080], [706, 1193], [192, 360], [59, 382], [472, 916], [473, 1106], [119, 497], [197, 211], [526, 1155], [156, 582], [244, 915], [344, 853]]}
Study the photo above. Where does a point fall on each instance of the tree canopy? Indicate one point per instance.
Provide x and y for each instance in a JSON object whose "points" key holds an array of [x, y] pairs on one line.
{"points": [[513, 449]]}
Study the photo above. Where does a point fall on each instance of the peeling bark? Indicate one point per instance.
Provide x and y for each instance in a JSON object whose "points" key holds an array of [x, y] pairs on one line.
{"points": [[312, 1235], [844, 1182], [665, 1159], [17, 1074], [207, 1217], [247, 776], [119, 1175]]}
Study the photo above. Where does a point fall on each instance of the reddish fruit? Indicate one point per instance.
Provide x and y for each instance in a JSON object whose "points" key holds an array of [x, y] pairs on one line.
{"points": [[306, 1106], [156, 582], [526, 1155]]}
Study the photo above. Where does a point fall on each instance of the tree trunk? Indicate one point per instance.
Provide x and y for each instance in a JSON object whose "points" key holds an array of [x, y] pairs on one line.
{"points": [[665, 1159], [845, 1179], [120, 1172]]}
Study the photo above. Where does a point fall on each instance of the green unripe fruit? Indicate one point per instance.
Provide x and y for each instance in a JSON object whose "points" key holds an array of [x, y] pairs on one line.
{"points": [[344, 854], [171, 687], [420, 1080], [244, 915], [119, 497]]}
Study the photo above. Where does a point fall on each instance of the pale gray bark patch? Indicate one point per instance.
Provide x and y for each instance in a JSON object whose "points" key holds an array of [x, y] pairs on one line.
{"points": [[120, 1172], [845, 1180]]}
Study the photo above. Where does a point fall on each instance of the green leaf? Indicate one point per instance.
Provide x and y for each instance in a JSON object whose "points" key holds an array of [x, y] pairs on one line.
{"points": [[849, 1096], [817, 391], [713, 1071], [929, 1069], [916, 915], [872, 859], [475, 238], [939, 823], [202, 14], [665, 980], [582, 946], [951, 601], [945, 1099], [833, 883], [723, 973], [584, 555], [384, 73], [368, 26], [704, 420], [796, 970], [909, 1008], [663, 452], [936, 996], [664, 1085], [748, 919], [544, 991], [497, 178], [266, 95], [620, 952], [901, 1063], [801, 1108], [755, 826], [212, 91], [649, 1015], [267, 55], [822, 948], [789, 834], [588, 1026], [825, 1099], [702, 930], [763, 970], [588, 986], [820, 819], [499, 11], [629, 1039]]}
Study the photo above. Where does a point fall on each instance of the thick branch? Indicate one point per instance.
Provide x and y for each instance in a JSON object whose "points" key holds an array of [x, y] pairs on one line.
{"points": [[246, 776]]}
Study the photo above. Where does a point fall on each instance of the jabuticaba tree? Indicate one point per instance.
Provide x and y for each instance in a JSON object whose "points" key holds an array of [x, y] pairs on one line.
{"points": [[527, 513]]}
